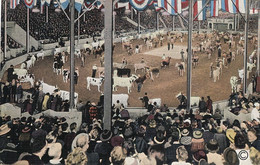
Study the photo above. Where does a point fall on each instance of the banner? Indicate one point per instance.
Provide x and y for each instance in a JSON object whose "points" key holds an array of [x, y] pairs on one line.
{"points": [[171, 6], [231, 6], [139, 5], [29, 3], [14, 3], [214, 7], [65, 3], [78, 4], [198, 6]]}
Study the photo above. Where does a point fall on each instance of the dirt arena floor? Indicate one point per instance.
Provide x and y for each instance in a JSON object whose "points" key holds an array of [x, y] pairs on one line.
{"points": [[166, 86]]}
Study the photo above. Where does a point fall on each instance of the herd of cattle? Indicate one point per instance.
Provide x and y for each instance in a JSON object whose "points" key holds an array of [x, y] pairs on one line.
{"points": [[122, 76]]}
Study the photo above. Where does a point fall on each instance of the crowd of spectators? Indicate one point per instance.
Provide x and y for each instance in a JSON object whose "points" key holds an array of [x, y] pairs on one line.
{"points": [[11, 43]]}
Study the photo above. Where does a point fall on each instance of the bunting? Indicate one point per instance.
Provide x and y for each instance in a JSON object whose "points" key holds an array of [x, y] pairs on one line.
{"points": [[233, 6], [198, 6], [139, 5], [65, 3], [29, 3], [171, 6], [14, 3], [78, 4], [214, 8]]}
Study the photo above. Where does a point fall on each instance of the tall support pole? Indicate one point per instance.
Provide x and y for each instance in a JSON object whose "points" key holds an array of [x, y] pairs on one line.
{"points": [[72, 55], [114, 24], [78, 29], [139, 28], [189, 56], [238, 23], [84, 17], [258, 44], [199, 25], [5, 29], [157, 20], [1, 54], [246, 45], [132, 13], [173, 22], [235, 25], [108, 64], [47, 14], [27, 31]]}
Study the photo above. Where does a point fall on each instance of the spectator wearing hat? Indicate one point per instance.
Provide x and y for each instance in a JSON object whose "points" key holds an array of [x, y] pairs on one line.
{"points": [[117, 156], [150, 130], [207, 134], [221, 139], [77, 156], [242, 150], [182, 156], [186, 141], [252, 138], [38, 145], [213, 157], [202, 105], [69, 137], [140, 143], [159, 138], [104, 147], [170, 152], [255, 112], [55, 152], [155, 155], [255, 156], [197, 142], [230, 134], [230, 156], [199, 155], [24, 139]]}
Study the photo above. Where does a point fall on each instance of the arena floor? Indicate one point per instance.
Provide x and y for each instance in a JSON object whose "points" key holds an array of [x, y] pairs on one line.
{"points": [[166, 87]]}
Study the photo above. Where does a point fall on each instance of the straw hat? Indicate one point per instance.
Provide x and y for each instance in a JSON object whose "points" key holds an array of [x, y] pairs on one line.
{"points": [[230, 133], [4, 129]]}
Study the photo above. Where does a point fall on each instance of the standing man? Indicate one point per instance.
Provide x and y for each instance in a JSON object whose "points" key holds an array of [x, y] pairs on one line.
{"points": [[182, 55], [145, 100], [94, 70], [10, 71], [169, 41], [219, 51], [172, 41]]}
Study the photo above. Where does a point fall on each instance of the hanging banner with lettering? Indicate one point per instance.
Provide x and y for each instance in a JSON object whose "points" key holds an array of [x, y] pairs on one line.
{"points": [[139, 5]]}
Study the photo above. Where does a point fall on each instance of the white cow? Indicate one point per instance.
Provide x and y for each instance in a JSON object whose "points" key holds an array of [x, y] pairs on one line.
{"points": [[20, 72], [77, 53], [95, 44], [157, 100], [23, 65], [65, 95], [65, 75], [140, 66], [249, 70], [46, 88], [33, 59], [124, 82], [28, 78], [123, 99], [216, 74], [41, 54], [233, 83], [119, 65], [28, 64], [94, 81]]}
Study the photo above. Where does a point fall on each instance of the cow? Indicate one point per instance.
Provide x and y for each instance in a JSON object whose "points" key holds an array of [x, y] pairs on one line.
{"points": [[124, 71], [33, 59], [65, 75], [65, 95], [233, 83], [119, 65], [28, 64], [23, 65], [41, 54], [153, 71], [46, 88], [20, 72], [94, 81], [140, 66], [124, 82], [166, 63], [216, 74], [123, 99], [28, 78]]}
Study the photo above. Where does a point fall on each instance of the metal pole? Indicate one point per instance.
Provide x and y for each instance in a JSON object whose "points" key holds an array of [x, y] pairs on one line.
{"points": [[84, 17], [189, 54], [78, 28], [5, 31], [27, 31], [199, 26], [47, 13], [173, 22], [1, 54], [258, 44], [72, 55], [245, 54], [114, 24], [139, 28], [238, 24], [157, 20], [235, 18], [132, 14], [108, 64]]}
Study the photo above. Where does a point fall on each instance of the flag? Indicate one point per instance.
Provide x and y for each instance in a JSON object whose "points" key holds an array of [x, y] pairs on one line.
{"points": [[14, 3], [29, 3], [65, 3], [184, 4], [78, 4], [231, 6], [155, 4], [88, 5], [214, 8], [99, 5], [253, 8], [253, 11], [171, 6], [197, 7]]}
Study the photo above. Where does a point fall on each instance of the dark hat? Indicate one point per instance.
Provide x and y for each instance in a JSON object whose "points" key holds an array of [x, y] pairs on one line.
{"points": [[38, 140], [230, 156], [26, 129], [128, 132], [39, 135], [106, 135], [159, 138], [117, 141], [212, 146], [141, 130], [197, 134], [160, 128], [198, 155]]}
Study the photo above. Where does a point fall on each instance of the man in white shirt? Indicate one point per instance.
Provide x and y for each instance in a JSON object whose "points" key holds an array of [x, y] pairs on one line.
{"points": [[255, 113]]}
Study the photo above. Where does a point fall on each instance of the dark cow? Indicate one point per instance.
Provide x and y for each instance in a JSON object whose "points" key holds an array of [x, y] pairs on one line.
{"points": [[123, 71]]}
